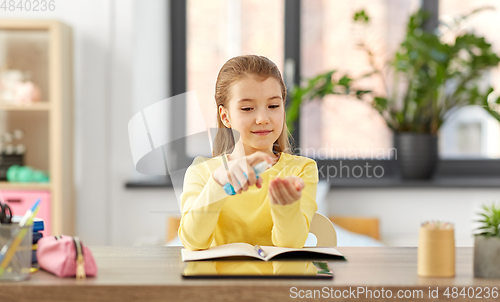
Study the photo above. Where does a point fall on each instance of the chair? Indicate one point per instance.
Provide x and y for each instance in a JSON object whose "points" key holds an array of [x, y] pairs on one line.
{"points": [[324, 230], [369, 226]]}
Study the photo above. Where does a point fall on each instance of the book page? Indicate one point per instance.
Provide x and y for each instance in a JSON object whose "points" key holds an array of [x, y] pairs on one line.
{"points": [[221, 251], [272, 251]]}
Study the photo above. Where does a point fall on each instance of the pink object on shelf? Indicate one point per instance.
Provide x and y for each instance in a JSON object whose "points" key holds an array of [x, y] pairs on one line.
{"points": [[28, 93], [20, 201]]}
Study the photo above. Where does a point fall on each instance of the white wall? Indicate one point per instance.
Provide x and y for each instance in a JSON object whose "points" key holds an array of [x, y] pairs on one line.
{"points": [[401, 211], [139, 79]]}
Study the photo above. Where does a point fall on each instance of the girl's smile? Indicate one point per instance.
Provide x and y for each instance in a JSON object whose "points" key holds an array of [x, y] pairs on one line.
{"points": [[262, 132]]}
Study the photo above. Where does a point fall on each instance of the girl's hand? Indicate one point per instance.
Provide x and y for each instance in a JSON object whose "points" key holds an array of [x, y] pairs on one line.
{"points": [[237, 167], [285, 191]]}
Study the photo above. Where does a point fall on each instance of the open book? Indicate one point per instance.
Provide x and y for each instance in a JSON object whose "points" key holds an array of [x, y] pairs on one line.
{"points": [[248, 250]]}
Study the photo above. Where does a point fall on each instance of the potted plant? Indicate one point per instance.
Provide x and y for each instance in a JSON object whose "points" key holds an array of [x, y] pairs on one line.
{"points": [[487, 244], [430, 79]]}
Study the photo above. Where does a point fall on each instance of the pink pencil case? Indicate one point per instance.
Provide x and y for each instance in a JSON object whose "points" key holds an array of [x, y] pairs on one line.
{"points": [[65, 256]]}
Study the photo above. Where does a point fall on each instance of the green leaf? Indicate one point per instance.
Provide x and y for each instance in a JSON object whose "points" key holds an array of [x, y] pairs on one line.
{"points": [[484, 215], [344, 81], [486, 234], [361, 16], [381, 103], [491, 221], [360, 93], [484, 227]]}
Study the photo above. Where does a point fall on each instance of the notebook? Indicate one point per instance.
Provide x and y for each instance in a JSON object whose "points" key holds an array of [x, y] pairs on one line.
{"points": [[248, 250]]}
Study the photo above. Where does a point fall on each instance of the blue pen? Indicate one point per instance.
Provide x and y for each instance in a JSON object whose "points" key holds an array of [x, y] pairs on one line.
{"points": [[260, 250], [28, 213], [258, 168]]}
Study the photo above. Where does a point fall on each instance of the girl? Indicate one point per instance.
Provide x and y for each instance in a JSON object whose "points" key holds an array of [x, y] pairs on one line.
{"points": [[273, 209]]}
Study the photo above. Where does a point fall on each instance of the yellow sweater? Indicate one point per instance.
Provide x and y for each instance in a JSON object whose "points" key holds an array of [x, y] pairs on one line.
{"points": [[210, 217]]}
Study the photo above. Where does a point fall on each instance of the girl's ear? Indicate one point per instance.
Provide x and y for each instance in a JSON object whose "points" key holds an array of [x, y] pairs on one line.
{"points": [[224, 116]]}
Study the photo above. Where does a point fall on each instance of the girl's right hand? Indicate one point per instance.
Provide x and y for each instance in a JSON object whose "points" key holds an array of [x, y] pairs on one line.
{"points": [[237, 167]]}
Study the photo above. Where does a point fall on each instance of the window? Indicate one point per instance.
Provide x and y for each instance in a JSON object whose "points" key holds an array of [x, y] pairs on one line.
{"points": [[343, 127], [471, 132], [217, 31], [351, 129], [338, 126]]}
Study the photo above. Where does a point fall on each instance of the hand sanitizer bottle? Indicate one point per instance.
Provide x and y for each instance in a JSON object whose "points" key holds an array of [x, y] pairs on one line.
{"points": [[258, 168]]}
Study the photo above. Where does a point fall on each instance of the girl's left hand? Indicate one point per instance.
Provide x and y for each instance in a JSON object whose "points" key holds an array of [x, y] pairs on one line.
{"points": [[285, 191]]}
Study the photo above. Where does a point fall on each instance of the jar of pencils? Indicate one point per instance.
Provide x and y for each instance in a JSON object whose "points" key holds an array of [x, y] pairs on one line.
{"points": [[15, 251], [436, 250]]}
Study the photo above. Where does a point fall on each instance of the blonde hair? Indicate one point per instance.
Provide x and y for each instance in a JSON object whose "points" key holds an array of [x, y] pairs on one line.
{"points": [[232, 71]]}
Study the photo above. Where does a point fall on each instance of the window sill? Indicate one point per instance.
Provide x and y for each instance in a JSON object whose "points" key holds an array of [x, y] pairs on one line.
{"points": [[162, 183], [369, 183], [436, 182], [449, 174]]}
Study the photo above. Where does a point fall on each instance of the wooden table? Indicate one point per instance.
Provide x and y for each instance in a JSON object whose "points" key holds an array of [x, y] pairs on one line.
{"points": [[154, 274]]}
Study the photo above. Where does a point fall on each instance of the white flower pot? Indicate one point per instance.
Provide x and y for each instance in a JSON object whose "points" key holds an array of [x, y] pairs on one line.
{"points": [[487, 257]]}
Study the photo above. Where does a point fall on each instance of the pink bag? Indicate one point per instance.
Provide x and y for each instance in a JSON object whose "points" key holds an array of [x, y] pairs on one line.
{"points": [[65, 256]]}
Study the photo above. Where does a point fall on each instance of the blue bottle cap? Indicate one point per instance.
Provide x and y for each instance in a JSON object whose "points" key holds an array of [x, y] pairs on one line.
{"points": [[228, 188]]}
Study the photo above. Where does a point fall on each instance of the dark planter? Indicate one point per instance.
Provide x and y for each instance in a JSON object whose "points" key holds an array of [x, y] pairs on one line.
{"points": [[416, 155]]}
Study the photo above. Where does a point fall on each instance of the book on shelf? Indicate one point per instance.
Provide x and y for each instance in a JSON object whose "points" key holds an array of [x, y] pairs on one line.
{"points": [[37, 236]]}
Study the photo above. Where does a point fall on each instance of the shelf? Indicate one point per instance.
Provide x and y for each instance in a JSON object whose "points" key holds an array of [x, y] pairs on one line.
{"points": [[44, 49], [5, 185], [40, 106]]}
